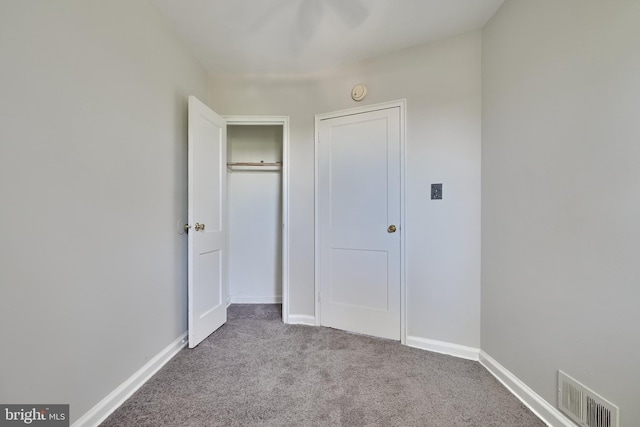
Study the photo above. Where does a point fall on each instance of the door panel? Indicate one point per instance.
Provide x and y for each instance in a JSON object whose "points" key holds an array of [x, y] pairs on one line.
{"points": [[207, 203], [358, 199], [210, 267], [359, 279]]}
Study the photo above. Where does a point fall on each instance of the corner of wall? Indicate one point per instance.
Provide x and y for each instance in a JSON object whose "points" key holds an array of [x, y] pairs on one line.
{"points": [[543, 409]]}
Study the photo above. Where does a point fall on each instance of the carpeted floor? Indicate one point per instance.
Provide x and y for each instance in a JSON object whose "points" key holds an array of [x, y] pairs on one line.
{"points": [[257, 371]]}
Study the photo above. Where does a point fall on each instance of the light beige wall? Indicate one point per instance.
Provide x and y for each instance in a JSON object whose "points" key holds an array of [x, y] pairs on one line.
{"points": [[441, 82], [93, 181], [293, 97], [561, 195]]}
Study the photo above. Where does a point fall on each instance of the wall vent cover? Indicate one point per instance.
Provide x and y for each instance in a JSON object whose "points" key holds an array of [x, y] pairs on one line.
{"points": [[584, 406]]}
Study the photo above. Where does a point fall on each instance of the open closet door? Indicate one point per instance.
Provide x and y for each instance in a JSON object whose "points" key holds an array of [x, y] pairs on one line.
{"points": [[207, 232]]}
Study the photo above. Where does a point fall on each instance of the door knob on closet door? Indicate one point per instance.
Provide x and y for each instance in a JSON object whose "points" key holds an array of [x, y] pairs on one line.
{"points": [[391, 229], [198, 227]]}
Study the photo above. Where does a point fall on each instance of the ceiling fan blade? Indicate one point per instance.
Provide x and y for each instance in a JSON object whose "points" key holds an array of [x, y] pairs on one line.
{"points": [[274, 9], [352, 12], [310, 15]]}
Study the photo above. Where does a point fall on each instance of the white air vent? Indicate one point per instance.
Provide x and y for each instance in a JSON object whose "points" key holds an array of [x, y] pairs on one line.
{"points": [[583, 405]]}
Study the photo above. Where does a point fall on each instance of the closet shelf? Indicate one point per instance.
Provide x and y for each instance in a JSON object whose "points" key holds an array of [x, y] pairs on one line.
{"points": [[254, 166]]}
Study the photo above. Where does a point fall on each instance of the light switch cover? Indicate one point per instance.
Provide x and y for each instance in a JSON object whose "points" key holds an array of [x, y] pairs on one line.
{"points": [[436, 191]]}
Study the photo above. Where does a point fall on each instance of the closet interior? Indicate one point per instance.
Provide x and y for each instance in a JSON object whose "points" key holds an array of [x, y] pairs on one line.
{"points": [[255, 194]]}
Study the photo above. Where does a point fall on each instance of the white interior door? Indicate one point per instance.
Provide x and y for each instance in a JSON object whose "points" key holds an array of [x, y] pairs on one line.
{"points": [[207, 235], [359, 222]]}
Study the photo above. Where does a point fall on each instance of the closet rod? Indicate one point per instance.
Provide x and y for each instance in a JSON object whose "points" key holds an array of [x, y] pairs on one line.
{"points": [[254, 164]]}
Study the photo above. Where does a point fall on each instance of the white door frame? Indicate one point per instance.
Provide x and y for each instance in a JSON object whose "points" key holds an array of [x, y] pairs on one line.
{"points": [[284, 122], [402, 105]]}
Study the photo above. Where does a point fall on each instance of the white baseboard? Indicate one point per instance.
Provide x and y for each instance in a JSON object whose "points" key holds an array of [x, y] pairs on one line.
{"points": [[543, 409], [106, 406], [301, 319], [451, 349], [237, 299]]}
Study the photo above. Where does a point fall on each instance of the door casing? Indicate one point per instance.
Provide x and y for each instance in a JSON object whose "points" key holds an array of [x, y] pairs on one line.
{"points": [[401, 104]]}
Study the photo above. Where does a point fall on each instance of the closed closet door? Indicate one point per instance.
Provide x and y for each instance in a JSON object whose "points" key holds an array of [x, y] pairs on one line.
{"points": [[359, 220]]}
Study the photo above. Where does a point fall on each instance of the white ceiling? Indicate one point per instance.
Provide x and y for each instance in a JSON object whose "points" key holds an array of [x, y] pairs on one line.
{"points": [[302, 36]]}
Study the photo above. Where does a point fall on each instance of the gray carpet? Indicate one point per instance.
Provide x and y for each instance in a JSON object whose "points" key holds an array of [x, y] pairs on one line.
{"points": [[256, 371]]}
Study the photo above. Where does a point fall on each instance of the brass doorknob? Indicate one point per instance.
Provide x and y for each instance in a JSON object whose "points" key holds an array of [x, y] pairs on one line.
{"points": [[198, 227], [391, 229]]}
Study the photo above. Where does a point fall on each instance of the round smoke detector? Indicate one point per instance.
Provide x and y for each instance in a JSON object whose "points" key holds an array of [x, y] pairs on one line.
{"points": [[358, 92]]}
